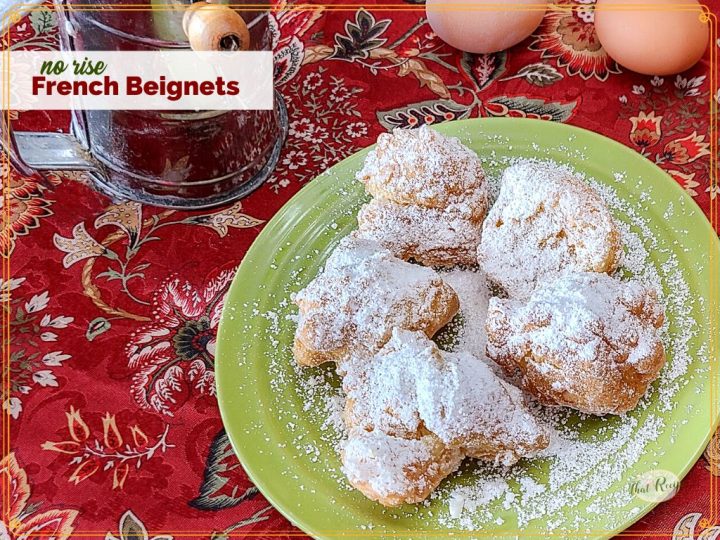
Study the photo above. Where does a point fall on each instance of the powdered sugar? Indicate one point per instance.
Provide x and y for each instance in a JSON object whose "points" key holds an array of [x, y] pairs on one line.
{"points": [[585, 316], [586, 456], [410, 383], [429, 236], [582, 467], [395, 470], [364, 450], [585, 340], [467, 331], [363, 293], [545, 221], [425, 168], [429, 197]]}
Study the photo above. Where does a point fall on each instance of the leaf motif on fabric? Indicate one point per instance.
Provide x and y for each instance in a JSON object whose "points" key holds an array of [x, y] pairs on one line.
{"points": [[288, 61], [524, 107], [224, 220], [172, 358], [361, 36], [132, 528], [483, 69], [225, 483], [21, 516], [425, 112], [97, 326], [317, 53], [538, 74], [126, 216], [43, 20], [426, 77]]}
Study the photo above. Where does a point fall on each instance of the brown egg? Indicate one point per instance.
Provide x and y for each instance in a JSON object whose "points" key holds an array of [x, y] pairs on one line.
{"points": [[659, 41], [484, 31]]}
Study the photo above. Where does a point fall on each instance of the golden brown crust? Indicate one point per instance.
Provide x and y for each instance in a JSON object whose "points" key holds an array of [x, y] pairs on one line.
{"points": [[308, 357], [428, 236], [410, 388], [405, 471], [491, 448], [545, 222], [422, 167], [430, 197], [599, 356], [361, 295]]}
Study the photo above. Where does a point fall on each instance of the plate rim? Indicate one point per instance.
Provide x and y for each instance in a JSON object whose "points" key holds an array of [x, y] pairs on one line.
{"points": [[318, 182]]}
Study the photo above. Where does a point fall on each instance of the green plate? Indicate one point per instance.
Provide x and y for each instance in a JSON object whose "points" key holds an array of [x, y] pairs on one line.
{"points": [[276, 414]]}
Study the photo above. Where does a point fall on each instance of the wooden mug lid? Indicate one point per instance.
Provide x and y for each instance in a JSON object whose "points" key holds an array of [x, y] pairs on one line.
{"points": [[215, 27]]}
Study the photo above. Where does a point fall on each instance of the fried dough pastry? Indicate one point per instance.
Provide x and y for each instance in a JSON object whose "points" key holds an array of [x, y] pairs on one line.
{"points": [[429, 236], [360, 296], [585, 340], [421, 167], [430, 197], [410, 386], [546, 221], [394, 470]]}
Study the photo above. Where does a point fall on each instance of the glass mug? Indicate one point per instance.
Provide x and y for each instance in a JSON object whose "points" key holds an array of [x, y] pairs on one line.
{"points": [[177, 159]]}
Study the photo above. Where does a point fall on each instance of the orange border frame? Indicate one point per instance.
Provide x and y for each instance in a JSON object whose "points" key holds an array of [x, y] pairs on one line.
{"points": [[17, 11]]}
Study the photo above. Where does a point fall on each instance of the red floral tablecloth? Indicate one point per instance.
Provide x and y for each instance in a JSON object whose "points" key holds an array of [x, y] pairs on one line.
{"points": [[102, 306]]}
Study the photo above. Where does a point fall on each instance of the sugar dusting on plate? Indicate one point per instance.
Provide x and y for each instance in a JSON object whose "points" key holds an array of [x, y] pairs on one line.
{"points": [[581, 467]]}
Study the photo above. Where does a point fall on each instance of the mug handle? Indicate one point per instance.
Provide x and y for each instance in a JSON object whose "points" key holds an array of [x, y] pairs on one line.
{"points": [[31, 152]]}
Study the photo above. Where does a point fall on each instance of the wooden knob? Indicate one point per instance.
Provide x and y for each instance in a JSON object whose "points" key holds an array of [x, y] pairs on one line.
{"points": [[214, 27]]}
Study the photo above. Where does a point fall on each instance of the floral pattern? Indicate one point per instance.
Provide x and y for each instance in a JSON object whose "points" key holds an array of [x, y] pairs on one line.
{"points": [[319, 137], [686, 150], [81, 246], [676, 139], [28, 205], [174, 356], [230, 218], [687, 181], [224, 483], [694, 525], [288, 27], [34, 350], [114, 305], [106, 450], [569, 35], [125, 216], [712, 454], [645, 131], [23, 521], [135, 233], [131, 528]]}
